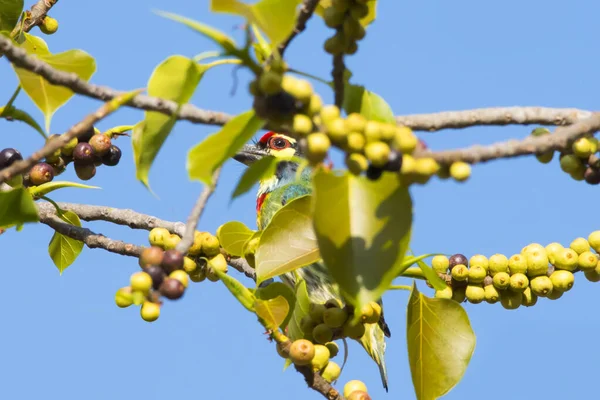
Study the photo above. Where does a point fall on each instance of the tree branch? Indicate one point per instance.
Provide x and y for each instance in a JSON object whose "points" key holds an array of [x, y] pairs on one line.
{"points": [[34, 16], [306, 12], [242, 266], [190, 228], [54, 144], [338, 79], [493, 116]]}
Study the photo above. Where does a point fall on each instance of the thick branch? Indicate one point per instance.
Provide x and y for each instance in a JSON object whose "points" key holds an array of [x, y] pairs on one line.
{"points": [[493, 116], [338, 79], [306, 12], [34, 16], [242, 266]]}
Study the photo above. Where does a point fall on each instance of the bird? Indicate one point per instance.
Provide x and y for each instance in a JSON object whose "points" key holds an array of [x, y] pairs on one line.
{"points": [[276, 191]]}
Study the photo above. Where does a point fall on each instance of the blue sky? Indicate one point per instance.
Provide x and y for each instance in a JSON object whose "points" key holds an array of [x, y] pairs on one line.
{"points": [[62, 336]]}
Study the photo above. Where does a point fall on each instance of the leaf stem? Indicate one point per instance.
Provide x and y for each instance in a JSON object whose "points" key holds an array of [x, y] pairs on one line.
{"points": [[11, 100]]}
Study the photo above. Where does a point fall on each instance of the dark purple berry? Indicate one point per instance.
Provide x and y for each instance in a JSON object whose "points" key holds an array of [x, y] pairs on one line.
{"points": [[100, 143], [394, 162], [59, 166], [8, 157], [172, 260], [592, 176], [172, 289], [374, 173], [87, 135], [83, 154], [157, 275], [85, 172], [112, 157], [457, 259], [41, 173]]}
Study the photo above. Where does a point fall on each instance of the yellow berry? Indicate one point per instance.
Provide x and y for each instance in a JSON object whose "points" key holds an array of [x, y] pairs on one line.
{"points": [[331, 372], [158, 236], [355, 142], [318, 145], [150, 311], [479, 259], [181, 276], [594, 241], [355, 122], [124, 297], [270, 82], [580, 245], [373, 131], [302, 124], [336, 130], [356, 163], [353, 386], [440, 264], [141, 281], [426, 166], [405, 141], [321, 357], [377, 153], [189, 265], [460, 171], [49, 25], [329, 113]]}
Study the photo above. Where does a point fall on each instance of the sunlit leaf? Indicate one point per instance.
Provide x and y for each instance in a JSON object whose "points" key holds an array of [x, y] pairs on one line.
{"points": [[239, 291], [273, 312], [288, 242], [366, 20], [17, 207], [275, 289], [261, 47], [12, 113], [440, 344], [62, 249], [44, 189], [301, 309], [363, 229], [275, 18], [204, 158], [232, 236], [260, 169], [47, 97], [10, 11], [359, 100]]}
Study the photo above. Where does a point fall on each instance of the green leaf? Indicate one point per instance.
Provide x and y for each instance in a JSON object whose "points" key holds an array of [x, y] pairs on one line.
{"points": [[232, 236], [241, 292], [262, 49], [272, 312], [301, 309], [363, 228], [359, 100], [262, 168], [49, 98], [440, 344], [62, 249], [20, 115], [208, 155], [432, 277], [274, 290], [42, 190], [275, 18], [288, 242], [366, 20], [10, 11], [176, 79], [226, 42], [17, 207]]}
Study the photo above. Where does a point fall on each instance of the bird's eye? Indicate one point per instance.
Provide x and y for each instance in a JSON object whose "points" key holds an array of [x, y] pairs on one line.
{"points": [[279, 143]]}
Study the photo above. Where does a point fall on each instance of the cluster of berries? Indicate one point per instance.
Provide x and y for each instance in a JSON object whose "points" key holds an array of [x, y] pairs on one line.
{"points": [[166, 272], [344, 16], [537, 271]]}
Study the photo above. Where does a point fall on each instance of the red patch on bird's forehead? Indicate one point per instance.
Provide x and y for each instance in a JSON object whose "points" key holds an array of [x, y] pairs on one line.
{"points": [[266, 137]]}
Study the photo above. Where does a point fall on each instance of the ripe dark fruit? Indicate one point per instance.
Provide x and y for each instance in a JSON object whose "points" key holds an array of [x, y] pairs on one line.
{"points": [[83, 154], [59, 166], [9, 156], [592, 176], [172, 260], [87, 135], [374, 173], [157, 275], [112, 157], [41, 173], [457, 259], [171, 288], [394, 161], [151, 256], [85, 172]]}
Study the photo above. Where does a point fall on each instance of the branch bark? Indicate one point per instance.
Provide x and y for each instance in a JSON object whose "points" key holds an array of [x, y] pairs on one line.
{"points": [[306, 12], [34, 16], [337, 74]]}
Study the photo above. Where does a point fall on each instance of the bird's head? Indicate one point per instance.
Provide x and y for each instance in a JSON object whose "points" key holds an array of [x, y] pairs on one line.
{"points": [[270, 144]]}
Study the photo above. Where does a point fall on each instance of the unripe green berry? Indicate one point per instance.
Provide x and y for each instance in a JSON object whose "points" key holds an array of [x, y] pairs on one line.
{"points": [[315, 104], [355, 122], [210, 245], [501, 280], [301, 89], [199, 275], [353, 29], [476, 274], [445, 293], [377, 153], [150, 311], [333, 17], [335, 317], [440, 264], [545, 157], [376, 315], [322, 333], [353, 331], [587, 261], [316, 310], [171, 241], [336, 130], [579, 175], [141, 281], [562, 280], [541, 285], [318, 145], [551, 250], [333, 303], [307, 324], [580, 245], [359, 10], [459, 294], [426, 166], [460, 171], [570, 163], [511, 300], [124, 297], [355, 142], [331, 372], [537, 262], [566, 259], [336, 44], [529, 298], [329, 113], [334, 349], [460, 273], [354, 386], [321, 358], [302, 352], [356, 163], [475, 294], [491, 294], [518, 282], [218, 263], [372, 131], [49, 25], [582, 147], [270, 82], [302, 124], [517, 264], [497, 263], [405, 141], [554, 295], [592, 275]]}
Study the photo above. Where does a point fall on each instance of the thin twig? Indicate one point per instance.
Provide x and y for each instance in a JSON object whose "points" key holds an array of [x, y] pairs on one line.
{"points": [[242, 266], [192, 222], [54, 144], [34, 16], [306, 12], [338, 79]]}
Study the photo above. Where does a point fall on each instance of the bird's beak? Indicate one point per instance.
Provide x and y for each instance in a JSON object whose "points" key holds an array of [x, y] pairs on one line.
{"points": [[249, 154]]}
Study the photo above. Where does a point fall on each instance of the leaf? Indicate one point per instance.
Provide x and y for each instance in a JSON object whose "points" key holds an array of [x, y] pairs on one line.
{"points": [[288, 242], [275, 18], [359, 100], [274, 290], [440, 344], [232, 237], [64, 250], [241, 292], [10, 11], [273, 312], [366, 20], [363, 229], [260, 169], [20, 115], [262, 49], [226, 42], [176, 79], [17, 207], [301, 309], [47, 97], [44, 189], [208, 155]]}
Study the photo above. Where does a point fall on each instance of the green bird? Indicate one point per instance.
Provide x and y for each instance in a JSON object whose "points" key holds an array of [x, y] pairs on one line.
{"points": [[276, 191]]}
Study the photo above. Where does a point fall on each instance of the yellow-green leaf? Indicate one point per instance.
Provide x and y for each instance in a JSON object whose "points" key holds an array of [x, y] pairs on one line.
{"points": [[273, 312], [363, 229], [12, 113], [359, 100], [288, 242], [44, 189], [10, 11], [275, 18], [62, 249], [366, 20], [274, 290], [208, 155], [232, 236], [175, 79], [262, 49], [440, 344], [49, 98], [301, 308], [226, 42], [17, 207], [239, 291], [258, 170]]}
